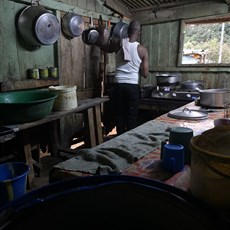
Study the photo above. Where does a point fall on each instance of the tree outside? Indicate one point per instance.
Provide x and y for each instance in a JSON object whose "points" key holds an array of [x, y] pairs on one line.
{"points": [[213, 39]]}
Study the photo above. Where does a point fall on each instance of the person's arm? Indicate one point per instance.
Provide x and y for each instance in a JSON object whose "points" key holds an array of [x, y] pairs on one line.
{"points": [[143, 54], [113, 45]]}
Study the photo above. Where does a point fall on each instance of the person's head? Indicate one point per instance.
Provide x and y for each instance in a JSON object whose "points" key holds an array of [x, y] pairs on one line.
{"points": [[134, 28]]}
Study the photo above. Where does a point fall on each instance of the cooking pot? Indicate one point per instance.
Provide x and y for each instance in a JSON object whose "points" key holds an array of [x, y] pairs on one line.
{"points": [[192, 85], [119, 30], [72, 25], [214, 98], [37, 26], [168, 79], [90, 36]]}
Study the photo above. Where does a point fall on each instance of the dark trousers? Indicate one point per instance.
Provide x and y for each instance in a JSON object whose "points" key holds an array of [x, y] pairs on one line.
{"points": [[125, 102]]}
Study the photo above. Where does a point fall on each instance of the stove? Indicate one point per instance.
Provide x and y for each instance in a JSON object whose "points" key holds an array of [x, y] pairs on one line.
{"points": [[162, 100], [175, 95]]}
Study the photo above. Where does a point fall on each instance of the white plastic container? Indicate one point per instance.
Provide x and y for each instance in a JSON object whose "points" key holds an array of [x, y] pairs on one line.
{"points": [[67, 97]]}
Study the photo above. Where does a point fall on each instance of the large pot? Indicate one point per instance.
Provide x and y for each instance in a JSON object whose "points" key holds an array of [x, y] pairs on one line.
{"points": [[214, 98], [37, 26], [168, 79], [72, 25]]}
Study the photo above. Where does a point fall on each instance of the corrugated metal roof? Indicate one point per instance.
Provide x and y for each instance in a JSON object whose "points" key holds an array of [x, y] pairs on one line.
{"points": [[135, 6]]}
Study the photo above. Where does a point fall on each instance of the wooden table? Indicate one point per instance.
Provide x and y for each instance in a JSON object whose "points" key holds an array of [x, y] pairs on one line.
{"points": [[149, 166], [91, 109]]}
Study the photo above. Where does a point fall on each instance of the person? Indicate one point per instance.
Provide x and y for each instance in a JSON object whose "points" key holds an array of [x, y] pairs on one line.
{"points": [[131, 62]]}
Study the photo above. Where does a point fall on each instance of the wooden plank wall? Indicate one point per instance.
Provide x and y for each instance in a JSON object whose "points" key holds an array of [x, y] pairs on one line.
{"points": [[161, 36], [78, 63]]}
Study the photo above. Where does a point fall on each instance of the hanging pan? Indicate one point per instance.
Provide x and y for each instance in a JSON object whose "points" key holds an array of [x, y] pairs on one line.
{"points": [[37, 26], [72, 25], [104, 32], [90, 36]]}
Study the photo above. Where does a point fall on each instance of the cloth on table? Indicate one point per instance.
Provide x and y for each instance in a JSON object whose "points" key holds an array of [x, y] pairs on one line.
{"points": [[115, 155]]}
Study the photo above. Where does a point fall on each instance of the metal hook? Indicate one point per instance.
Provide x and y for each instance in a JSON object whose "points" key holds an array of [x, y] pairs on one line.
{"points": [[71, 10], [35, 2]]}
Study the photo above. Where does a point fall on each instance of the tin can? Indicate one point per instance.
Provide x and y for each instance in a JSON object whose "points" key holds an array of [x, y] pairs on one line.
{"points": [[34, 74], [53, 72], [43, 72]]}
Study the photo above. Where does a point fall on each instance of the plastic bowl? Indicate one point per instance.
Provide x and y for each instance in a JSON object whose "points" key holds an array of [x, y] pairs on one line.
{"points": [[25, 106]]}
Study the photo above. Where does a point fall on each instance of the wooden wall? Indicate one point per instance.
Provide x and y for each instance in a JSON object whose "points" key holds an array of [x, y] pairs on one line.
{"points": [[161, 36], [79, 64]]}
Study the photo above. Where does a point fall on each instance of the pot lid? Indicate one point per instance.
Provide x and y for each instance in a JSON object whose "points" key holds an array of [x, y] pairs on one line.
{"points": [[47, 29], [188, 114]]}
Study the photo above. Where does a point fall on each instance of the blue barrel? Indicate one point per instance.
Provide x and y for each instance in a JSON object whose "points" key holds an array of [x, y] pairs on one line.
{"points": [[13, 178], [110, 202]]}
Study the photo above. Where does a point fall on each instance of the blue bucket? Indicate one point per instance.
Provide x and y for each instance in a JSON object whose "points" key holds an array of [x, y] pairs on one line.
{"points": [[13, 178]]}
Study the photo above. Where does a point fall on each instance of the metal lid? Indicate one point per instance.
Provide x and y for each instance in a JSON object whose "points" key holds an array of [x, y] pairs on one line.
{"points": [[47, 29], [188, 114]]}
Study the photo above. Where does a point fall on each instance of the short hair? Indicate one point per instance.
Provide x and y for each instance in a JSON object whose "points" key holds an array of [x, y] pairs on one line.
{"points": [[134, 27]]}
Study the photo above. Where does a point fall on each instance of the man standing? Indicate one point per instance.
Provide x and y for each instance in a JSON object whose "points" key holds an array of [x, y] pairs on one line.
{"points": [[131, 62]]}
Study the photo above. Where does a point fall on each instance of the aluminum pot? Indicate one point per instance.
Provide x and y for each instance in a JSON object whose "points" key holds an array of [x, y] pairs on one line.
{"points": [[91, 35], [192, 85], [168, 79], [119, 30], [37, 26], [72, 25], [214, 98]]}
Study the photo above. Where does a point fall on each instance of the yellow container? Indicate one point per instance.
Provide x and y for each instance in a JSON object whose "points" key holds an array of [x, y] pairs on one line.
{"points": [[210, 166], [67, 97]]}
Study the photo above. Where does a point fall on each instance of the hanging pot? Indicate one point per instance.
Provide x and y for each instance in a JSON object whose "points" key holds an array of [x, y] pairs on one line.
{"points": [[104, 36], [72, 25], [192, 85], [119, 30], [90, 36], [37, 26]]}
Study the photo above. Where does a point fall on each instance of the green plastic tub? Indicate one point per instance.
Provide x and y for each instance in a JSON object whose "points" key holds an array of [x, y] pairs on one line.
{"points": [[25, 106]]}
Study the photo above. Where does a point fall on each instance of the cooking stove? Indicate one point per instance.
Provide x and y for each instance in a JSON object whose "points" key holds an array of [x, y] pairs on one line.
{"points": [[160, 100], [175, 95]]}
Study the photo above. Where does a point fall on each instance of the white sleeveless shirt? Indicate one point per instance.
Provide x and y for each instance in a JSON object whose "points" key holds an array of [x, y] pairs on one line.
{"points": [[128, 71]]}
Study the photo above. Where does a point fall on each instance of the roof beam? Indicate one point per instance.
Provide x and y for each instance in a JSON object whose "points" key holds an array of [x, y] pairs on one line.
{"points": [[168, 5], [117, 7]]}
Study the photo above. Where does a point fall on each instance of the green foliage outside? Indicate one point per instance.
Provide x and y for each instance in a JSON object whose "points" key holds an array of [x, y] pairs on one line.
{"points": [[207, 37]]}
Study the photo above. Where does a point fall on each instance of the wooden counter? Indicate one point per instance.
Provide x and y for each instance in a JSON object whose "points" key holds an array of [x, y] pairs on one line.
{"points": [[149, 166], [91, 109]]}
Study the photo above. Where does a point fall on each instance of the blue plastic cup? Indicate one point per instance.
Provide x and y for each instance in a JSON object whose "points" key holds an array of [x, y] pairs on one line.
{"points": [[13, 179], [173, 157]]}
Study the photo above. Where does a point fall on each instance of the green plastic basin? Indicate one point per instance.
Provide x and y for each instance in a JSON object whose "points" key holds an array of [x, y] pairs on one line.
{"points": [[25, 106]]}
